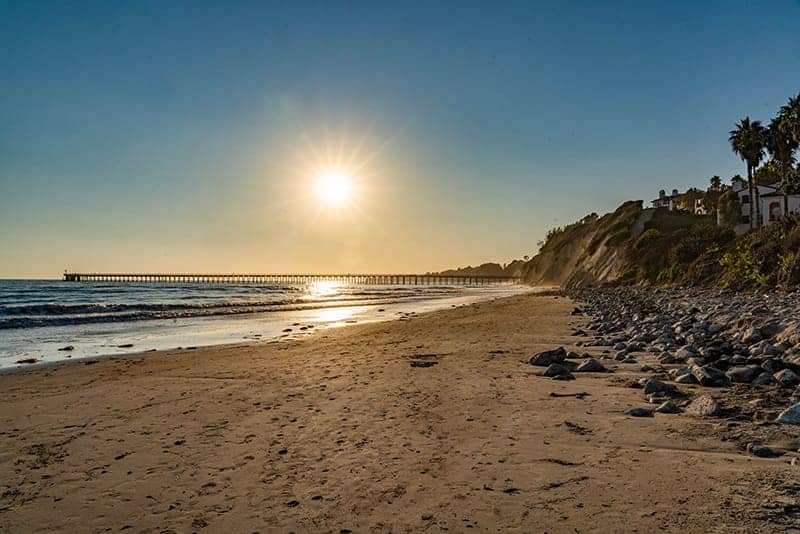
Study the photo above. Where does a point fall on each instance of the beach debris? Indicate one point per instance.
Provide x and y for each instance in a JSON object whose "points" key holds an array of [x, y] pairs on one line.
{"points": [[640, 412], [68, 348], [548, 357], [423, 363], [27, 360], [125, 346], [554, 485], [579, 395]]}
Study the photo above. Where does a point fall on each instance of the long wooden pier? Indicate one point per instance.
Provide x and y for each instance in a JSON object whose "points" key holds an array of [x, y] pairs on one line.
{"points": [[365, 279]]}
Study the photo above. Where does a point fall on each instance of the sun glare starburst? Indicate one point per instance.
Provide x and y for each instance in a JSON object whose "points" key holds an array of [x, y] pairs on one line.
{"points": [[334, 188]]}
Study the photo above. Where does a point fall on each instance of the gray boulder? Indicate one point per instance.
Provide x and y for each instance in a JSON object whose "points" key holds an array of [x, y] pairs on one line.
{"points": [[657, 386], [751, 335], [687, 378], [591, 366], [668, 407], [556, 369], [710, 376], [743, 373], [764, 379], [790, 416], [786, 378]]}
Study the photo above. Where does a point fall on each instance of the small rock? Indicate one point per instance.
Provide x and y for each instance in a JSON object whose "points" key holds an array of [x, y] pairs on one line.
{"points": [[753, 335], [591, 366], [668, 407], [653, 385], [703, 406], [640, 412], [565, 376], [786, 378], [68, 348], [27, 360], [556, 369], [743, 373], [764, 379], [548, 357], [710, 376], [762, 451], [716, 328]]}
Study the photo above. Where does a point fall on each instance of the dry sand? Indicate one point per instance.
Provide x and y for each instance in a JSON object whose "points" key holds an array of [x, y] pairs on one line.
{"points": [[426, 424]]}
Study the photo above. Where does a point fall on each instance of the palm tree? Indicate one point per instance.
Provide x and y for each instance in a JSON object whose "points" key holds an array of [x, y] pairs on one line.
{"points": [[789, 115], [781, 145], [716, 182], [747, 140]]}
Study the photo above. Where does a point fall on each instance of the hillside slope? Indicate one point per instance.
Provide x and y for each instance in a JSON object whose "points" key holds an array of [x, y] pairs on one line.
{"points": [[633, 245], [587, 251]]}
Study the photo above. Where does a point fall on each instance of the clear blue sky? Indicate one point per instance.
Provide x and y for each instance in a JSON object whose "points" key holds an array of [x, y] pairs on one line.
{"points": [[185, 135]]}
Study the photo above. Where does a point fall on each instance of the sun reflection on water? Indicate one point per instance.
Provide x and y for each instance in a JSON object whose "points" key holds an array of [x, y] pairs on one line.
{"points": [[324, 288], [335, 315]]}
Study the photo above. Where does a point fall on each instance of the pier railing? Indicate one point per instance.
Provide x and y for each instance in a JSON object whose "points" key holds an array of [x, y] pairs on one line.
{"points": [[366, 279]]}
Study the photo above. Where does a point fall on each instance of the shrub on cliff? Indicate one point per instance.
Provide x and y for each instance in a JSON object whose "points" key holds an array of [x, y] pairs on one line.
{"points": [[767, 257]]}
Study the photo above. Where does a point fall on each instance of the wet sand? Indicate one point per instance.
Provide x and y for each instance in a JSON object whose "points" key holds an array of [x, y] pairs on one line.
{"points": [[422, 424]]}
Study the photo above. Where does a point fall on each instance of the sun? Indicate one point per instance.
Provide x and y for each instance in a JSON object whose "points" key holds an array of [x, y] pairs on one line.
{"points": [[334, 188]]}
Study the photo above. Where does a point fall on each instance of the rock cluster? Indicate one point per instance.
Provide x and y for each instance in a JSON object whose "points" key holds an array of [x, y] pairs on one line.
{"points": [[710, 338]]}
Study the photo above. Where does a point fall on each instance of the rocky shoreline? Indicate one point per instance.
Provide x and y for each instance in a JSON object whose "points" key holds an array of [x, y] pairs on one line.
{"points": [[706, 353]]}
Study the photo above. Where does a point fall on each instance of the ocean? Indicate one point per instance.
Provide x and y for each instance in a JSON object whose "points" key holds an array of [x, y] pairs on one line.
{"points": [[40, 318]]}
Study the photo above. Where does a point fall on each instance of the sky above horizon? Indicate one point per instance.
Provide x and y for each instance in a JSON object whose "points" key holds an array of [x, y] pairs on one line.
{"points": [[187, 136]]}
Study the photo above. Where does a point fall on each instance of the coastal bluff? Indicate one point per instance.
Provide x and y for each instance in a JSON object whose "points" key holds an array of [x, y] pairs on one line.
{"points": [[661, 247], [588, 251]]}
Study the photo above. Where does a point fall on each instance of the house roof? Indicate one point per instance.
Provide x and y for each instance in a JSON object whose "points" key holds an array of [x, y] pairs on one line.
{"points": [[776, 194]]}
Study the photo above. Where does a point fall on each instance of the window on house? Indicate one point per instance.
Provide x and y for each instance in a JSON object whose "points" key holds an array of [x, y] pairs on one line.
{"points": [[775, 211]]}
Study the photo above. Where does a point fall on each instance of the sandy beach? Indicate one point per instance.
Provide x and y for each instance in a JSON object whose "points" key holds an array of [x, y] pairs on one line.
{"points": [[430, 423]]}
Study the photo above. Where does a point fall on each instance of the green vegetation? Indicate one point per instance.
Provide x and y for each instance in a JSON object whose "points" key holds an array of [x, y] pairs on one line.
{"points": [[680, 249], [768, 257], [668, 251]]}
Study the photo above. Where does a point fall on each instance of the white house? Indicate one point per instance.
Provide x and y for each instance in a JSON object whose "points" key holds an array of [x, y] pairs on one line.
{"points": [[677, 201], [666, 201], [772, 206], [743, 192]]}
